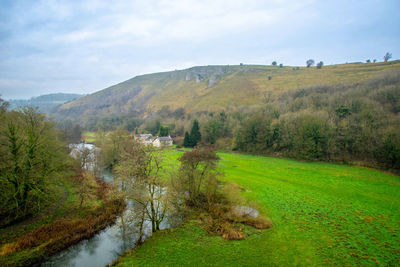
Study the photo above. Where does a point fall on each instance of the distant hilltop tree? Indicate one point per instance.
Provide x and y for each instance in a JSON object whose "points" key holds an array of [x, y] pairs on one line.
{"points": [[387, 56], [368, 61], [274, 63], [310, 62], [374, 60], [281, 65], [320, 64]]}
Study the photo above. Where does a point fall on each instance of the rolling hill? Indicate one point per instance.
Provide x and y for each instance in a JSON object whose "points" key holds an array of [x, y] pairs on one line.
{"points": [[45, 103], [210, 88]]}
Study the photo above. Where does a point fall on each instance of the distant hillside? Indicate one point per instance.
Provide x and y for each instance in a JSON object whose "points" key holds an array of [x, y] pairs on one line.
{"points": [[45, 103], [210, 88]]}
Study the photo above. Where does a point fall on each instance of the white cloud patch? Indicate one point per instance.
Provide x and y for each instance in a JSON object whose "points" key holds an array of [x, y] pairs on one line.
{"points": [[156, 23], [87, 45]]}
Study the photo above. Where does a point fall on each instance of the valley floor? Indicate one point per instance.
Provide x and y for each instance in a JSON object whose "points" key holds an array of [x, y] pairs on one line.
{"points": [[323, 214]]}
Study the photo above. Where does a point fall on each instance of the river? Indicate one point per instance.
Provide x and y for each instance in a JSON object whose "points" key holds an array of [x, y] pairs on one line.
{"points": [[107, 245]]}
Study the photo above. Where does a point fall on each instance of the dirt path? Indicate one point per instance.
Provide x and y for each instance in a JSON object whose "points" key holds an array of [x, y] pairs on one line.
{"points": [[39, 216]]}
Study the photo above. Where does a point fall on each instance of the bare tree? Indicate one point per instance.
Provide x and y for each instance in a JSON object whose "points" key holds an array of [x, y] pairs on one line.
{"points": [[137, 175], [87, 184], [84, 156], [197, 178]]}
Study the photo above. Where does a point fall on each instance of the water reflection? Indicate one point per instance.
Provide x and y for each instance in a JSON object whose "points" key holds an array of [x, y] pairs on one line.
{"points": [[109, 244]]}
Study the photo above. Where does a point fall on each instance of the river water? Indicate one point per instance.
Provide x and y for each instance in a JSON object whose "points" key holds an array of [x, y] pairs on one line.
{"points": [[107, 245]]}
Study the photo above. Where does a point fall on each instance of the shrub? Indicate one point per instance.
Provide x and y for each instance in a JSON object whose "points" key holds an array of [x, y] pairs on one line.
{"points": [[387, 56]]}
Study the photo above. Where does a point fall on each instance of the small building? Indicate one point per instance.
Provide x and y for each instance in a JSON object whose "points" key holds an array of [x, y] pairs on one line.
{"points": [[164, 141], [146, 139], [150, 140]]}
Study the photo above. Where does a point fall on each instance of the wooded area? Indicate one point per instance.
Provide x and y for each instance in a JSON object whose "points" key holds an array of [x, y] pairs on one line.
{"points": [[356, 122], [31, 153]]}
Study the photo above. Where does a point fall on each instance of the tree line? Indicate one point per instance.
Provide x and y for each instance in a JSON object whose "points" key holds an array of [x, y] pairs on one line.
{"points": [[347, 122], [356, 122]]}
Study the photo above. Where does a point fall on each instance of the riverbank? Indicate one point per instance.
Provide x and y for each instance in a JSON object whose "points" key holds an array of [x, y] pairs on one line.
{"points": [[68, 224]]}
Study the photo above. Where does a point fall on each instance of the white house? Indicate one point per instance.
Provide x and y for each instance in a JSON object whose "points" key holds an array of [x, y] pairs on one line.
{"points": [[146, 139], [164, 141], [149, 140]]}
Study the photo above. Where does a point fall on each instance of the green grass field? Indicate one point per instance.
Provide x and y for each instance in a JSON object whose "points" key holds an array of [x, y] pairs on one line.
{"points": [[89, 137], [323, 214]]}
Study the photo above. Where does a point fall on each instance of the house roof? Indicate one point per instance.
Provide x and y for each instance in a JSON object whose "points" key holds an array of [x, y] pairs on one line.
{"points": [[165, 138], [145, 135]]}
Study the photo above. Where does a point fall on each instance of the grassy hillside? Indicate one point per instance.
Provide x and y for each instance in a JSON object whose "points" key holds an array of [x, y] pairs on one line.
{"points": [[211, 88], [323, 214]]}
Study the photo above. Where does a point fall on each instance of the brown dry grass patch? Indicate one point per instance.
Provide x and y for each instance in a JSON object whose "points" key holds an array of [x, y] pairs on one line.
{"points": [[64, 232], [259, 222], [59, 234], [220, 220]]}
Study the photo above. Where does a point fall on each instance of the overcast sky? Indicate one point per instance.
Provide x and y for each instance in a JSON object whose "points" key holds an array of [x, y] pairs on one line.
{"points": [[86, 46]]}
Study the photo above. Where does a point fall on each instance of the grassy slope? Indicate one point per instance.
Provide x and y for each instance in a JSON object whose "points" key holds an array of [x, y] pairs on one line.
{"points": [[322, 213], [237, 85]]}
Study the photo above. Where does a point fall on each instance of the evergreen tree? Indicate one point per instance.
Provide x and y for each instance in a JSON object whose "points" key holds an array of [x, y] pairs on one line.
{"points": [[164, 131], [186, 141], [195, 135]]}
